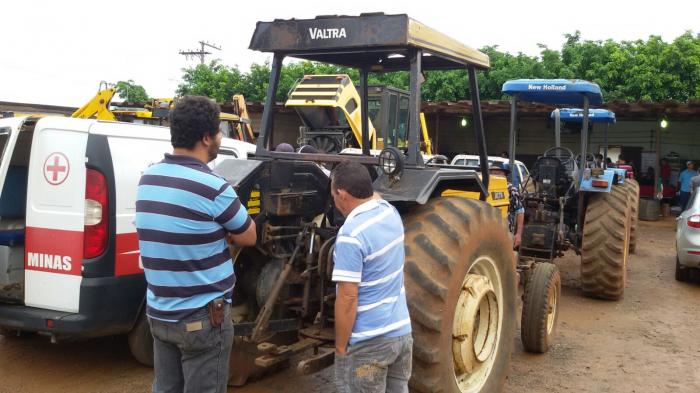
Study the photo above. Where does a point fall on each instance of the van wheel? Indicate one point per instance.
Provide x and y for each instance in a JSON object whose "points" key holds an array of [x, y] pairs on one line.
{"points": [[682, 275], [540, 308], [461, 290], [141, 341]]}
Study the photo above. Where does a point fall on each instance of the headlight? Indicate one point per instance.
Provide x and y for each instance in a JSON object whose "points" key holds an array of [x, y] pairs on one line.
{"points": [[391, 161]]}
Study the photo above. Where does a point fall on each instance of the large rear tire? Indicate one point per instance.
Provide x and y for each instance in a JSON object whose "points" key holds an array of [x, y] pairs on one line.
{"points": [[461, 288], [540, 308], [632, 188], [605, 249]]}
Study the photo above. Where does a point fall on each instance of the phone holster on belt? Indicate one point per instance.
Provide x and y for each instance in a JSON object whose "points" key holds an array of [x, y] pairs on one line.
{"points": [[216, 312]]}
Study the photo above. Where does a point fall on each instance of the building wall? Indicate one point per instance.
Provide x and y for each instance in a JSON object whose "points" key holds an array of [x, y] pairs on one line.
{"points": [[534, 136]]}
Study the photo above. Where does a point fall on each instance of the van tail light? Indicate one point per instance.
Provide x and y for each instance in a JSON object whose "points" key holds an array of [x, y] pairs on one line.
{"points": [[694, 221], [96, 214]]}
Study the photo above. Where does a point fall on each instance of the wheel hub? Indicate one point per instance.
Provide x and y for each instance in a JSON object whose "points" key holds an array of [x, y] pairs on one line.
{"points": [[475, 327]]}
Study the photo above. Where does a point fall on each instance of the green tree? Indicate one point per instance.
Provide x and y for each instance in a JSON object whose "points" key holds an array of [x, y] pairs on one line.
{"points": [[631, 70], [131, 92]]}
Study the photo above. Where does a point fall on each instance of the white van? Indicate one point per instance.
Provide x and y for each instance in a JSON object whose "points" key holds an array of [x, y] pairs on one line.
{"points": [[473, 161], [69, 257]]}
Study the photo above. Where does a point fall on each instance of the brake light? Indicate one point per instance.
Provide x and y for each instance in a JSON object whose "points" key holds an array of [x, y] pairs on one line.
{"points": [[694, 221], [96, 214]]}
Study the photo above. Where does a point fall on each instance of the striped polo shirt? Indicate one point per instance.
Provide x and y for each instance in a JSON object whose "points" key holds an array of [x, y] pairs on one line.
{"points": [[183, 211], [369, 250]]}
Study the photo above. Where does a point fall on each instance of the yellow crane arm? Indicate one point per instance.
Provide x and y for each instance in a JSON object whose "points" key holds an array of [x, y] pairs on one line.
{"points": [[426, 138], [98, 106], [241, 111]]}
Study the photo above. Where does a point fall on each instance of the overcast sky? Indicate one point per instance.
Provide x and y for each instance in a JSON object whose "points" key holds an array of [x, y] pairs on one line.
{"points": [[57, 52]]}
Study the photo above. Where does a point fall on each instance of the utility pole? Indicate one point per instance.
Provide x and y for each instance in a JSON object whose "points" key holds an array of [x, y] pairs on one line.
{"points": [[201, 52]]}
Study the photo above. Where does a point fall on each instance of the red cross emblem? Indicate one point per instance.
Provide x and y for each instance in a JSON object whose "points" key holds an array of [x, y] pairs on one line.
{"points": [[56, 168]]}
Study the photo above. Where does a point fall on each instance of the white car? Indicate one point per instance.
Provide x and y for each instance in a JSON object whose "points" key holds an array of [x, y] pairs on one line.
{"points": [[688, 240], [473, 160]]}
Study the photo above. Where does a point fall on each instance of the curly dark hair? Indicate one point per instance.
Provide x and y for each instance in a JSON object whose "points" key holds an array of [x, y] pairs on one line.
{"points": [[192, 118]]}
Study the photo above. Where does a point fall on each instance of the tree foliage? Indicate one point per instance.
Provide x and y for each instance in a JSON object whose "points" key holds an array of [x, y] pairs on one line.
{"points": [[131, 92], [630, 70]]}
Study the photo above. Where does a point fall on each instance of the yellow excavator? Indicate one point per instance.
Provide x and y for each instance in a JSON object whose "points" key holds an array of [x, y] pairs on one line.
{"points": [[233, 125], [329, 107]]}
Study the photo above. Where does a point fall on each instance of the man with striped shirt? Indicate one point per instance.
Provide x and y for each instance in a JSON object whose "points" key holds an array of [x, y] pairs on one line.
{"points": [[185, 215], [372, 326]]}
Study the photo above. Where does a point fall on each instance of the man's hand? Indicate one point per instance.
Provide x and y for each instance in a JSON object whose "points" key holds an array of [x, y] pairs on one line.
{"points": [[516, 240]]}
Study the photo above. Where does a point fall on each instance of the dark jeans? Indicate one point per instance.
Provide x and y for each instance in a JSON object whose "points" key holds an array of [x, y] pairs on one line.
{"points": [[195, 360], [381, 364], [683, 199]]}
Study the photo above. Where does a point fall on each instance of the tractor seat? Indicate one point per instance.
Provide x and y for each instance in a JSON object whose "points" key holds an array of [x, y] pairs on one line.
{"points": [[551, 176]]}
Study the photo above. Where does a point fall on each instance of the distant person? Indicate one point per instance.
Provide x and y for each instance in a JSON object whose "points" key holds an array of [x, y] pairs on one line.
{"points": [[284, 148], [648, 177], [694, 184], [684, 189], [598, 160], [516, 211], [665, 173], [504, 154], [621, 160], [609, 163]]}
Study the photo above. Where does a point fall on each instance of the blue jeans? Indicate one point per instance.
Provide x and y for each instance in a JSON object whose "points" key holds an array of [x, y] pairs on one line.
{"points": [[191, 355], [381, 364], [683, 199]]}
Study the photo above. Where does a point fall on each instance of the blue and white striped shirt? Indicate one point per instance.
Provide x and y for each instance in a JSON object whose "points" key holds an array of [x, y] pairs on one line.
{"points": [[369, 250], [183, 211]]}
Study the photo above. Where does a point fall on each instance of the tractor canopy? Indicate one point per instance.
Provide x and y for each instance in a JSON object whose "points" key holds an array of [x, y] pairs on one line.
{"points": [[576, 115], [376, 41], [554, 91]]}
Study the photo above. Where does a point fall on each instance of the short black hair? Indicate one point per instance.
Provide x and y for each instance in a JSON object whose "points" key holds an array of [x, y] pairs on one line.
{"points": [[193, 118], [354, 178]]}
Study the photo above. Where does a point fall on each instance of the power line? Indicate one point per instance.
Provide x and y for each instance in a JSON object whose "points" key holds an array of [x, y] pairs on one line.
{"points": [[201, 53]]}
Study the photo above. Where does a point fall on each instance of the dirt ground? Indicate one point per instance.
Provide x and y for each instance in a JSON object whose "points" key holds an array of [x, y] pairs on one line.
{"points": [[647, 342]]}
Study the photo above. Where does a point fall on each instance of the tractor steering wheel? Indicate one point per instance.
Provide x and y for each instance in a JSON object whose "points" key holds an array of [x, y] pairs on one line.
{"points": [[590, 158], [564, 154]]}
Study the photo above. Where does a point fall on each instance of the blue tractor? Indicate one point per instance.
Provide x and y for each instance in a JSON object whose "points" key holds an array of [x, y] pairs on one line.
{"points": [[577, 204]]}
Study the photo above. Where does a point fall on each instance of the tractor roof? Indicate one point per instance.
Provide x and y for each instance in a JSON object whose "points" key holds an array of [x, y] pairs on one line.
{"points": [[378, 41], [554, 91], [594, 115]]}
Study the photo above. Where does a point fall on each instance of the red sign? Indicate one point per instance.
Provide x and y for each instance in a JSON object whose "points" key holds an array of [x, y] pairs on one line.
{"points": [[54, 251], [56, 168]]}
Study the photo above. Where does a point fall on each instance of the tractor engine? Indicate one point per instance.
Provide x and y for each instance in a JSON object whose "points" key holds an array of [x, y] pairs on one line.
{"points": [[546, 220], [286, 277]]}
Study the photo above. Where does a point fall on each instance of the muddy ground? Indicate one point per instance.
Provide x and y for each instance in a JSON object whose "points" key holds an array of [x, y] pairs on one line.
{"points": [[647, 342]]}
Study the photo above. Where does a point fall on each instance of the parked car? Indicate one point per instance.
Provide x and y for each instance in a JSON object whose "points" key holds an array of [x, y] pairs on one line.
{"points": [[688, 240], [473, 160]]}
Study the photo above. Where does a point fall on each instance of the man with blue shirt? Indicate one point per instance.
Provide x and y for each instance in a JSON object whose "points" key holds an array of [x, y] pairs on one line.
{"points": [[684, 184], [372, 327], [185, 216]]}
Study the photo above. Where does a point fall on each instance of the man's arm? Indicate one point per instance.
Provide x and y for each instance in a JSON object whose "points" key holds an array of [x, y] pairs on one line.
{"points": [[345, 314], [245, 239], [233, 216], [519, 222]]}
